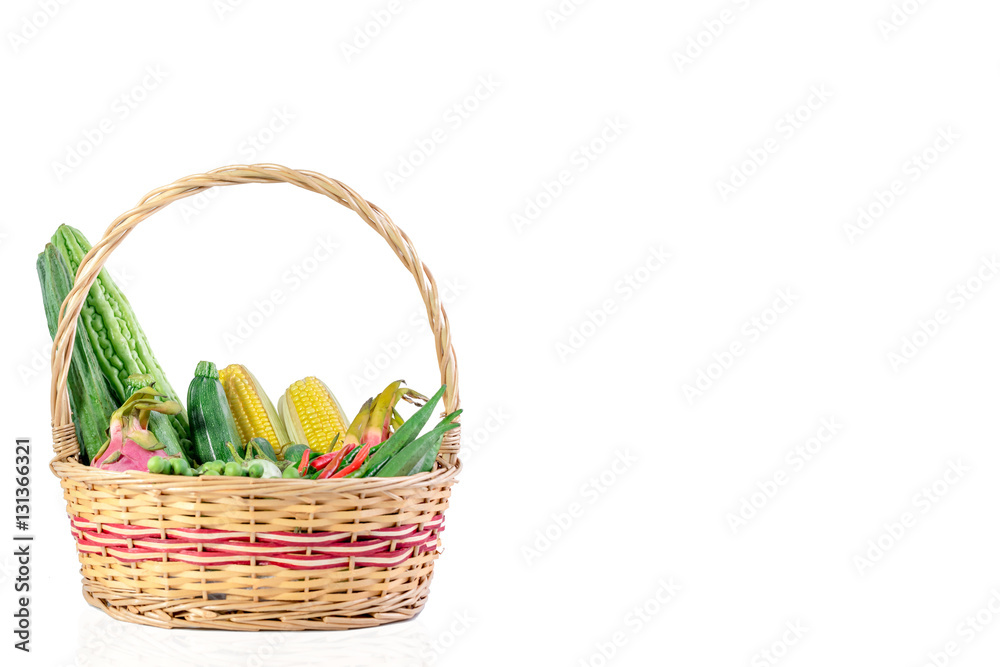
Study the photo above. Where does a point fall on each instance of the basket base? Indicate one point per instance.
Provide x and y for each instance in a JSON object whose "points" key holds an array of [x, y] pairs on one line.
{"points": [[312, 616]]}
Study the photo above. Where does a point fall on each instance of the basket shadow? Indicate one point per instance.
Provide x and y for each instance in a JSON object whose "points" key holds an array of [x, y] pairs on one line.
{"points": [[106, 641]]}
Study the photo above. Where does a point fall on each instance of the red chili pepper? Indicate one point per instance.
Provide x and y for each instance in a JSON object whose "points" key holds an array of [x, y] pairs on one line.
{"points": [[304, 463], [332, 460], [320, 461], [355, 464]]}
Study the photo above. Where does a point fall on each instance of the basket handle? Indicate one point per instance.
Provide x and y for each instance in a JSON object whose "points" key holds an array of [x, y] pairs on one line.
{"points": [[65, 443]]}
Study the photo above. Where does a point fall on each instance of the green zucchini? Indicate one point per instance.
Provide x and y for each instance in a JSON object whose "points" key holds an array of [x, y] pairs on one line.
{"points": [[90, 398], [212, 423], [159, 423], [108, 321]]}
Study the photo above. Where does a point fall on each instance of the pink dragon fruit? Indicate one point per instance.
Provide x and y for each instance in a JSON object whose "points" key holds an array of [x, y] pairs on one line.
{"points": [[130, 443]]}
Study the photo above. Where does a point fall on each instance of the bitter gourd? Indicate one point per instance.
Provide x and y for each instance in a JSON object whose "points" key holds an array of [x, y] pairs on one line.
{"points": [[90, 399], [118, 341]]}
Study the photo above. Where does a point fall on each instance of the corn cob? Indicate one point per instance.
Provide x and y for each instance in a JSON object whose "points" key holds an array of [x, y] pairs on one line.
{"points": [[118, 341], [252, 409], [312, 415]]}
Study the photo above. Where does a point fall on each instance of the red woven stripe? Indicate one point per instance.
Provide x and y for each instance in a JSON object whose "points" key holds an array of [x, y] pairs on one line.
{"points": [[303, 539], [384, 547]]}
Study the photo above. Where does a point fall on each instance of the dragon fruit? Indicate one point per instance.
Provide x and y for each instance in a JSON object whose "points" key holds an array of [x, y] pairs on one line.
{"points": [[130, 443]]}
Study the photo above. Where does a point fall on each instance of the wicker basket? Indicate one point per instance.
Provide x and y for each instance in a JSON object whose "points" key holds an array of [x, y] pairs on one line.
{"points": [[253, 554]]}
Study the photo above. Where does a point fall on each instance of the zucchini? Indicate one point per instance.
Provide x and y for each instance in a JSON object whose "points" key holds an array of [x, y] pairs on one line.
{"points": [[159, 423], [212, 423], [118, 341], [89, 396]]}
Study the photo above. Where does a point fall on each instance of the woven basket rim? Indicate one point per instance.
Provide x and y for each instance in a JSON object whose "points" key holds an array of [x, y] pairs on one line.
{"points": [[137, 480]]}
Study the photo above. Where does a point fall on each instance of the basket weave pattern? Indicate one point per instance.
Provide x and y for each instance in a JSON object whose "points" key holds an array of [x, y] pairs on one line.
{"points": [[253, 554]]}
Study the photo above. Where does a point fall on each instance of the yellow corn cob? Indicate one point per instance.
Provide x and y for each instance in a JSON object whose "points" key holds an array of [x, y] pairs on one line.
{"points": [[312, 415], [252, 410]]}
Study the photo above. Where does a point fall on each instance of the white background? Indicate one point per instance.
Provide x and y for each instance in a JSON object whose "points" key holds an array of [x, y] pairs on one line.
{"points": [[566, 368]]}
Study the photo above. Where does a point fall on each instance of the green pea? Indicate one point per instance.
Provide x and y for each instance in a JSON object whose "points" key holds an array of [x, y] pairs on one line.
{"points": [[256, 469], [155, 464], [209, 473], [291, 472], [217, 466], [233, 469], [180, 466]]}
